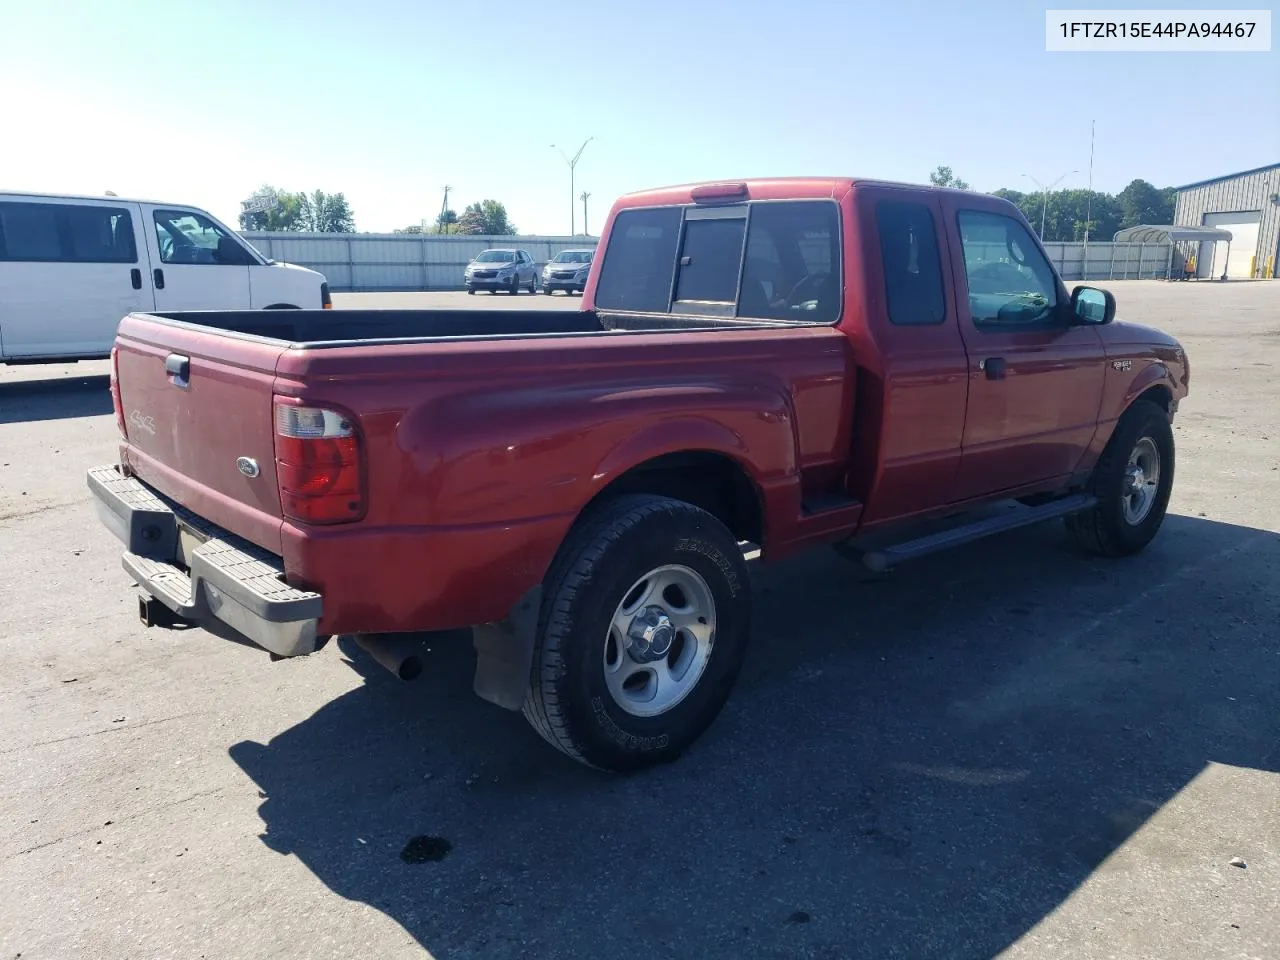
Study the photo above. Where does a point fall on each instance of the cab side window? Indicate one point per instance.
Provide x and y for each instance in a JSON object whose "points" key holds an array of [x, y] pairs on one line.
{"points": [[912, 264], [1011, 284]]}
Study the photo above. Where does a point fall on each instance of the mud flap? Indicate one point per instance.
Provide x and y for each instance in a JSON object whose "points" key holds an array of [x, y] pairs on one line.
{"points": [[504, 653]]}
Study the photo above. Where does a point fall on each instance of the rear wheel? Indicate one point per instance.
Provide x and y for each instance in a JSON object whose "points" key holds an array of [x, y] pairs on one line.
{"points": [[1132, 481], [642, 633], [471, 290]]}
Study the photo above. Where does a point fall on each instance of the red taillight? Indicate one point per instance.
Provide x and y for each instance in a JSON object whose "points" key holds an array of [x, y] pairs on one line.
{"points": [[116, 404], [318, 464]]}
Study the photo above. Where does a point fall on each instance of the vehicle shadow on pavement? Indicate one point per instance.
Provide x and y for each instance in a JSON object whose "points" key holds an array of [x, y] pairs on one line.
{"points": [[924, 764], [59, 398]]}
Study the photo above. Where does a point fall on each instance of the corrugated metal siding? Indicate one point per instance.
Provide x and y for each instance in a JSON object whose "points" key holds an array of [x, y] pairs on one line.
{"points": [[394, 261], [1238, 194]]}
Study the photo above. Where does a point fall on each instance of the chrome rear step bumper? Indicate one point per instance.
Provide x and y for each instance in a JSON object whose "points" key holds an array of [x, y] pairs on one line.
{"points": [[202, 573]]}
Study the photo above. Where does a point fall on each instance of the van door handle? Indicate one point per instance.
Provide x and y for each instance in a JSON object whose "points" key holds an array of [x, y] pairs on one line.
{"points": [[158, 275], [994, 367], [135, 277]]}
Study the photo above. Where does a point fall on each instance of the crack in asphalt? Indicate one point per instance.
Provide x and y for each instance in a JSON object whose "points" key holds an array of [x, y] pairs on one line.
{"points": [[127, 819]]}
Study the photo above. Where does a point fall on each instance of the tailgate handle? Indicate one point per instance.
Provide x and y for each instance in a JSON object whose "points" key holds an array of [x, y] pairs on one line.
{"points": [[178, 367]]}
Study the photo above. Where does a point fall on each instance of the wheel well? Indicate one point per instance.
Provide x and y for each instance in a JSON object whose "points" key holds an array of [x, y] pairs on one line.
{"points": [[1160, 395], [708, 480], [282, 306]]}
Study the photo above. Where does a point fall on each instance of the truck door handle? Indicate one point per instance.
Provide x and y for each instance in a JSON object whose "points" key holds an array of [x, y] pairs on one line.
{"points": [[179, 368], [994, 367], [135, 277], [158, 275]]}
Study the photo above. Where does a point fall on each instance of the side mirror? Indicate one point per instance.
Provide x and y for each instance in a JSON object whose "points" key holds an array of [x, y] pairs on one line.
{"points": [[1091, 305]]}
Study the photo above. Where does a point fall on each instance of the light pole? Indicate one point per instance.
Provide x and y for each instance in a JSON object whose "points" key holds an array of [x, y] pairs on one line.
{"points": [[572, 198], [586, 230], [1044, 209]]}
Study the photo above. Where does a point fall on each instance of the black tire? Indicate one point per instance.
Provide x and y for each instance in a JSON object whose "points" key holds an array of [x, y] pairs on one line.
{"points": [[514, 289], [471, 290], [533, 284], [610, 549], [1105, 530]]}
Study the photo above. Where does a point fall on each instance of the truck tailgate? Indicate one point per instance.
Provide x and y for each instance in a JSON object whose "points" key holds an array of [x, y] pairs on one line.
{"points": [[198, 416]]}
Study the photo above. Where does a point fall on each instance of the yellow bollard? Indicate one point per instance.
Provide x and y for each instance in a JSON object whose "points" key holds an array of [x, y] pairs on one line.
{"points": [[1253, 266], [1267, 273]]}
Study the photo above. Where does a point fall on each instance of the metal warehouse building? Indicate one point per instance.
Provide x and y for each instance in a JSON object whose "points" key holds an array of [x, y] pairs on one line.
{"points": [[1247, 205]]}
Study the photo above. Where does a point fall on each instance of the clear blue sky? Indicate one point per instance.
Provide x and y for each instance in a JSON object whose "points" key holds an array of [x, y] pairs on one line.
{"points": [[389, 100]]}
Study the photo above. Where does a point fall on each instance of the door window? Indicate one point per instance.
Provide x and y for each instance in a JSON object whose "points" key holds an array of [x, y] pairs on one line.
{"points": [[185, 237], [1011, 284]]}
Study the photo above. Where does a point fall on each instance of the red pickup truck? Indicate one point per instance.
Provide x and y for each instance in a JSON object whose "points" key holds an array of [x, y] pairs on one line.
{"points": [[770, 364]]}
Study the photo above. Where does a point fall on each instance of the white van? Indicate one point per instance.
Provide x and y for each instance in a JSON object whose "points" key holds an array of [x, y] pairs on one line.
{"points": [[72, 267]]}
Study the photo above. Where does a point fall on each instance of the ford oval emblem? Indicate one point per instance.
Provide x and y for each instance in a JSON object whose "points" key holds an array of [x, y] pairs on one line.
{"points": [[248, 466]]}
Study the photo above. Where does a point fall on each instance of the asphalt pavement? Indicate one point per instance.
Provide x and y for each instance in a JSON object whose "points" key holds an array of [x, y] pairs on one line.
{"points": [[1007, 750]]}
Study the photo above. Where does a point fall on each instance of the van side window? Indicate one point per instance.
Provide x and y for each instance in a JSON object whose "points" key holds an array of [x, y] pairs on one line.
{"points": [[29, 232], [66, 233], [101, 235], [911, 263], [1011, 284], [184, 236]]}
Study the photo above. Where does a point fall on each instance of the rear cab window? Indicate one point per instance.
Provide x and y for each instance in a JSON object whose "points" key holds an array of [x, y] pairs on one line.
{"points": [[765, 259]]}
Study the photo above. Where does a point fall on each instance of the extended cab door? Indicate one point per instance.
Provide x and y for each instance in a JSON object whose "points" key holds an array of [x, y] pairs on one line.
{"points": [[1035, 376], [70, 270], [196, 264]]}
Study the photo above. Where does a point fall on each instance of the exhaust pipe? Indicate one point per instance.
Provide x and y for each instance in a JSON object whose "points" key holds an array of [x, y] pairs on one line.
{"points": [[396, 651]]}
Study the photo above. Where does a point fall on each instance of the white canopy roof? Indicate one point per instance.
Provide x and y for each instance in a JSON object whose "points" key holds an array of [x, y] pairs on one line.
{"points": [[1168, 233]]}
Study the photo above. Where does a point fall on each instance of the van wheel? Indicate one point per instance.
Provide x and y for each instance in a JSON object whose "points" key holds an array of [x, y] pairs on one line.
{"points": [[1132, 481], [282, 306], [642, 633]]}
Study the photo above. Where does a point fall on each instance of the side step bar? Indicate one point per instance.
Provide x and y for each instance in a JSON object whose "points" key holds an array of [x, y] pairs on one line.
{"points": [[881, 560]]}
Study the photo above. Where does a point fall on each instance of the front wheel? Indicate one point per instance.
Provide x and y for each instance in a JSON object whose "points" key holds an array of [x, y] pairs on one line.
{"points": [[1132, 482], [641, 635], [514, 287], [471, 290], [533, 284]]}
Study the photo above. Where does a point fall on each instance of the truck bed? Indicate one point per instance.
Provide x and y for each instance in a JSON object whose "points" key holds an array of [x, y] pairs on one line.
{"points": [[321, 328]]}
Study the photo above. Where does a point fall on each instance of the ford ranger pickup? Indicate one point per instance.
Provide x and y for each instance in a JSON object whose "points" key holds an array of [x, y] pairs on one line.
{"points": [[763, 365]]}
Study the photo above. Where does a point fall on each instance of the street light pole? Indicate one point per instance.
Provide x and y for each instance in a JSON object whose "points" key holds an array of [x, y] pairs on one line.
{"points": [[1044, 208], [585, 229], [573, 200]]}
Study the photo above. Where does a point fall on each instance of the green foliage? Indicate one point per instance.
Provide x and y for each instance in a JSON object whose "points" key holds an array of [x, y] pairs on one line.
{"points": [[487, 218], [943, 177], [322, 212], [318, 212], [273, 209], [1067, 211]]}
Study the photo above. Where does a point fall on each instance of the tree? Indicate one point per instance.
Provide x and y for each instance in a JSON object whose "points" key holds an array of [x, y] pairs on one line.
{"points": [[1140, 202], [446, 220], [488, 218], [943, 177], [271, 209], [322, 212]]}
